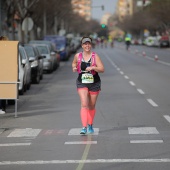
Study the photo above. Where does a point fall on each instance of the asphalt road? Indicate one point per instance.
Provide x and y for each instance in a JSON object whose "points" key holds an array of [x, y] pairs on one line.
{"points": [[132, 123]]}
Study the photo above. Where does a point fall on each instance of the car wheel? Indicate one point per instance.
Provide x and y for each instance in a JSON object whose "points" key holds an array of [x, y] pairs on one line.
{"points": [[37, 79], [28, 86], [50, 71], [25, 87], [41, 77], [21, 92]]}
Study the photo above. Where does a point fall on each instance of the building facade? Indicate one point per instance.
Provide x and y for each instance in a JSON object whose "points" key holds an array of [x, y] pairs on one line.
{"points": [[82, 7], [129, 7], [124, 8]]}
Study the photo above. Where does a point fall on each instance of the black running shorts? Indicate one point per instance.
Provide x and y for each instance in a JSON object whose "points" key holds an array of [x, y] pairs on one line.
{"points": [[93, 87]]}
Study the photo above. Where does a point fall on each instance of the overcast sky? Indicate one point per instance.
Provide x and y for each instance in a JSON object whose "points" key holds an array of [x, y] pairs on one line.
{"points": [[109, 7]]}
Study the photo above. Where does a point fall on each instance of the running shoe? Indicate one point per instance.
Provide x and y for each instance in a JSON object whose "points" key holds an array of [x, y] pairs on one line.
{"points": [[83, 131], [90, 129]]}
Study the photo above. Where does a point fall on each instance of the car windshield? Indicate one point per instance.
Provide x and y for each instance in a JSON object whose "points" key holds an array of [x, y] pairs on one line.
{"points": [[30, 52], [42, 49]]}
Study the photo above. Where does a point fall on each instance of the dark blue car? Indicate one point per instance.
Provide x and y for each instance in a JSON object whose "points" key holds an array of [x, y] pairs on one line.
{"points": [[60, 45]]}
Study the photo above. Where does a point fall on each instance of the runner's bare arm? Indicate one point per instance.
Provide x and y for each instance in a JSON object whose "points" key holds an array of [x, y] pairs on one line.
{"points": [[99, 66], [74, 63]]}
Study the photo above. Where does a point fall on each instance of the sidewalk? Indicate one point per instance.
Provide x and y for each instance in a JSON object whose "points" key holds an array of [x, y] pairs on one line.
{"points": [[10, 114]]}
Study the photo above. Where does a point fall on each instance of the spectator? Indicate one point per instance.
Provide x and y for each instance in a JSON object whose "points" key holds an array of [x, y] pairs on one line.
{"points": [[3, 102]]}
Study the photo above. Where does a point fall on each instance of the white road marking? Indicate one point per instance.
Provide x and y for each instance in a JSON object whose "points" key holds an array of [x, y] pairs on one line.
{"points": [[15, 144], [76, 131], [167, 117], [109, 59], [142, 130], [162, 62], [140, 91], [126, 77], [81, 142], [121, 72], [146, 141], [152, 102], [1, 130], [28, 132], [41, 162], [132, 83]]}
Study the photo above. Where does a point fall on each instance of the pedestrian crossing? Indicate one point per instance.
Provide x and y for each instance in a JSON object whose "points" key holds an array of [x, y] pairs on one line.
{"points": [[28, 132], [135, 135]]}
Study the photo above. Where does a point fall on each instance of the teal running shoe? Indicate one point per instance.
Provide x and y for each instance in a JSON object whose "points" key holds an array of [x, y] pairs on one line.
{"points": [[83, 131], [90, 129]]}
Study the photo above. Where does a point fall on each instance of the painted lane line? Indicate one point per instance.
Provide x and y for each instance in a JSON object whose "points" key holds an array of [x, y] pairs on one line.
{"points": [[113, 64], [132, 83], [146, 141], [81, 142], [85, 154], [167, 117], [152, 102], [162, 62], [142, 130], [126, 77], [118, 69], [41, 162], [121, 72], [140, 91], [15, 144]]}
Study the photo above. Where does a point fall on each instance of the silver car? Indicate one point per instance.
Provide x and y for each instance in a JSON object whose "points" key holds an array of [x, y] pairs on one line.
{"points": [[51, 46], [48, 61], [36, 61]]}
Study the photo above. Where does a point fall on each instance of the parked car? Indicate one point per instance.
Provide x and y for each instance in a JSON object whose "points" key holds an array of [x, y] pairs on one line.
{"points": [[48, 61], [136, 41], [75, 44], [24, 71], [164, 41], [36, 61], [152, 41], [52, 50], [61, 45]]}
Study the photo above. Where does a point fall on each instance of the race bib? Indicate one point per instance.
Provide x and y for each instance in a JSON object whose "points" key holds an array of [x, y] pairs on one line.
{"points": [[87, 78]]}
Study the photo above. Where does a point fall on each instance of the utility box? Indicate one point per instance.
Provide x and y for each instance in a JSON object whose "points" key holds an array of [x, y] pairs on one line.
{"points": [[9, 70]]}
